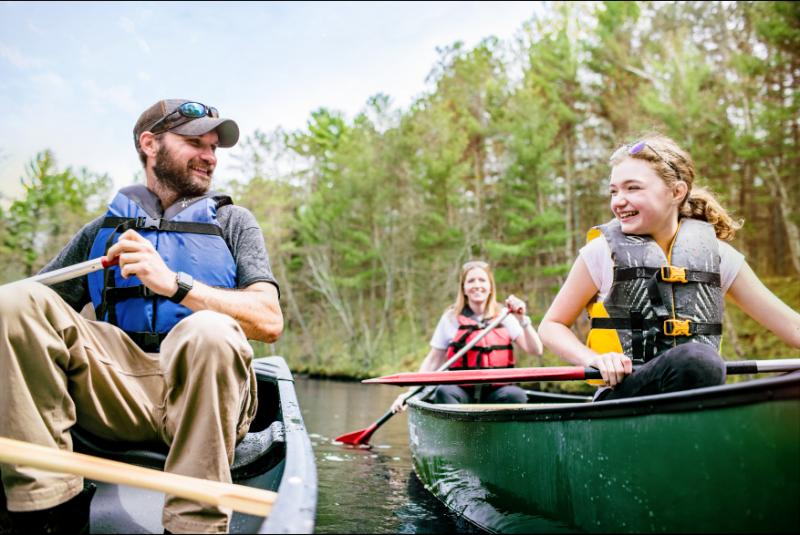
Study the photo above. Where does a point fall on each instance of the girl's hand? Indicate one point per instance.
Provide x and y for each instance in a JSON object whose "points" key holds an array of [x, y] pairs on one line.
{"points": [[614, 367]]}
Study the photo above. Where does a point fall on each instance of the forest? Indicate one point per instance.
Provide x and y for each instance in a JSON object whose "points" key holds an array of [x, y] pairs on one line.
{"points": [[503, 158]]}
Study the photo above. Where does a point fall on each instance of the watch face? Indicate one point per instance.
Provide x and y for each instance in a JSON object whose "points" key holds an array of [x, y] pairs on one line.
{"points": [[184, 280]]}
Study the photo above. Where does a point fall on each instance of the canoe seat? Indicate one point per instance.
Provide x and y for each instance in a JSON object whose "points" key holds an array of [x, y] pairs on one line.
{"points": [[259, 451]]}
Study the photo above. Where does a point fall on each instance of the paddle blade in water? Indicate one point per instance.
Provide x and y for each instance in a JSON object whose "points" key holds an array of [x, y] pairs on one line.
{"points": [[357, 437]]}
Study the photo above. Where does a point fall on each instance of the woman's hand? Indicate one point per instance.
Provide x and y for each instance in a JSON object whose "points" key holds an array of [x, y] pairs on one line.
{"points": [[399, 403], [614, 367], [518, 308]]}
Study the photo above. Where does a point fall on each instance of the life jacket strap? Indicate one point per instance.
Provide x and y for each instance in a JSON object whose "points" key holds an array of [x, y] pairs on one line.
{"points": [[669, 327], [149, 342], [160, 224], [667, 274], [128, 292]]}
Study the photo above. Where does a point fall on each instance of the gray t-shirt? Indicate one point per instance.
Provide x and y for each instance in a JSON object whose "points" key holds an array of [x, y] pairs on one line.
{"points": [[240, 231]]}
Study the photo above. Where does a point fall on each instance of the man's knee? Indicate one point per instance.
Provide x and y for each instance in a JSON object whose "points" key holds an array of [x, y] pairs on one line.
{"points": [[215, 337], [17, 298]]}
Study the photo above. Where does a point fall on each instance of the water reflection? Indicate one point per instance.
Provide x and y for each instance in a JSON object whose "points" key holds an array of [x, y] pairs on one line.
{"points": [[367, 490]]}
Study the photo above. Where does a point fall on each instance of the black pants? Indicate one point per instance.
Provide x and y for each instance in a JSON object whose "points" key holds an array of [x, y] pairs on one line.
{"points": [[484, 394], [683, 367]]}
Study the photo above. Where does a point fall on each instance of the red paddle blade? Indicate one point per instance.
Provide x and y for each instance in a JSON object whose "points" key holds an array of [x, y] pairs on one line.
{"points": [[508, 375], [357, 437]]}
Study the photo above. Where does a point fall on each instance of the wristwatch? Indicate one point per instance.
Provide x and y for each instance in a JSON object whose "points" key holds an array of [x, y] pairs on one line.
{"points": [[185, 283]]}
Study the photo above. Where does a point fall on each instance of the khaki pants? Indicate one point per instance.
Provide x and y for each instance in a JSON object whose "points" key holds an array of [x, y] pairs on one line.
{"points": [[58, 368]]}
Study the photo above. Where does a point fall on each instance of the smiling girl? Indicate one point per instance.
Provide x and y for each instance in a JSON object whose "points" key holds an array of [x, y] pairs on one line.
{"points": [[654, 278]]}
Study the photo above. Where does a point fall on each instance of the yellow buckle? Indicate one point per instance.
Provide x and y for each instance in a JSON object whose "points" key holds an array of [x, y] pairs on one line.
{"points": [[673, 274], [677, 327]]}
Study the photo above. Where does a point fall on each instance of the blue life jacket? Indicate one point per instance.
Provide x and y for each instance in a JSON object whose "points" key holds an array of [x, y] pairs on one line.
{"points": [[188, 238]]}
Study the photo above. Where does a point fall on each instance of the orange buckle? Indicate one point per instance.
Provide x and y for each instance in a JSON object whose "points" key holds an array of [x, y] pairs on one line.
{"points": [[673, 274], [677, 327]]}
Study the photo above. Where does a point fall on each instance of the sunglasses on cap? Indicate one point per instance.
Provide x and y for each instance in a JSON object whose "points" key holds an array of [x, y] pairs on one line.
{"points": [[639, 146], [190, 110]]}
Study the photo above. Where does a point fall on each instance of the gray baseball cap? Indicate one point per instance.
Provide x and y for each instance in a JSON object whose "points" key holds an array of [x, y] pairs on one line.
{"points": [[165, 116]]}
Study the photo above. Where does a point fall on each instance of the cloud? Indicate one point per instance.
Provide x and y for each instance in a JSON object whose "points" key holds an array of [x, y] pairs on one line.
{"points": [[128, 26], [17, 58], [118, 96], [50, 80]]}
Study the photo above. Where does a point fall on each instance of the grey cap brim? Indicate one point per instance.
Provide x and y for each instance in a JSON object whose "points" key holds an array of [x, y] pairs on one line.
{"points": [[227, 129]]}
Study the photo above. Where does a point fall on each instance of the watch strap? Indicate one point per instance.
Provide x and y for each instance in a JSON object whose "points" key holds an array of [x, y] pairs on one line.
{"points": [[185, 284]]}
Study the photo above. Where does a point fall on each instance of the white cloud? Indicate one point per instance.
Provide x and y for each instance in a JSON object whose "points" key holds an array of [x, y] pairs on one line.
{"points": [[129, 27], [118, 96], [17, 58], [49, 80]]}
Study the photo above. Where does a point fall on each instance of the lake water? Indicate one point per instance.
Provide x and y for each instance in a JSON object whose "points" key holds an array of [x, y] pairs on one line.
{"points": [[367, 490]]}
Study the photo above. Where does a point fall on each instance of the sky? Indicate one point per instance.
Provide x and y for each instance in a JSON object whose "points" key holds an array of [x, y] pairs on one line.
{"points": [[74, 76]]}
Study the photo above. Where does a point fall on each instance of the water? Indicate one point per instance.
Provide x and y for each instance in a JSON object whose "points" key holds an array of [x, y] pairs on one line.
{"points": [[367, 490]]}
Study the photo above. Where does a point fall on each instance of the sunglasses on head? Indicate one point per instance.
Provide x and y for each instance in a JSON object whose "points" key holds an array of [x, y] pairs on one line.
{"points": [[639, 146], [474, 264], [190, 110]]}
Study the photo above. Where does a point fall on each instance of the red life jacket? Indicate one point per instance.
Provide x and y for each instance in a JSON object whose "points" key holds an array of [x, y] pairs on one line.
{"points": [[493, 351]]}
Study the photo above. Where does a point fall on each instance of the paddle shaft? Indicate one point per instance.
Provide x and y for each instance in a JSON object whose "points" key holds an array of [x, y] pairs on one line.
{"points": [[362, 436], [555, 373], [446, 366], [237, 497], [74, 271]]}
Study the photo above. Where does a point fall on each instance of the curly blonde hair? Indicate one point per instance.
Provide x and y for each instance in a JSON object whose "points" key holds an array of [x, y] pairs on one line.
{"points": [[673, 164]]}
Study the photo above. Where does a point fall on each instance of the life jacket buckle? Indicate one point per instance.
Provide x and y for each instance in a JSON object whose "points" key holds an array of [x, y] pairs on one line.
{"points": [[675, 327], [673, 274], [148, 222]]}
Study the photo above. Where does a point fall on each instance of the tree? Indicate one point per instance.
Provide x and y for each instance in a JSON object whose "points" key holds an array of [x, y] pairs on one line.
{"points": [[55, 204]]}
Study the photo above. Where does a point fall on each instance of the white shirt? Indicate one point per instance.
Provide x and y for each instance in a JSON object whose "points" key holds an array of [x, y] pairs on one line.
{"points": [[597, 256], [448, 327]]}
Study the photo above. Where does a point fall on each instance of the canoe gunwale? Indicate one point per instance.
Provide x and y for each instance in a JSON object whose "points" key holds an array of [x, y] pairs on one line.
{"points": [[294, 510], [786, 386]]}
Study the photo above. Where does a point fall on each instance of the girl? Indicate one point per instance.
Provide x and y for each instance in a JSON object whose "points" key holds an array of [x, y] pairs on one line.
{"points": [[654, 281], [475, 306]]}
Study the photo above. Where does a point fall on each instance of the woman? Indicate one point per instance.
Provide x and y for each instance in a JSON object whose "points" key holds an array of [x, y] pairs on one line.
{"points": [[475, 307], [655, 278]]}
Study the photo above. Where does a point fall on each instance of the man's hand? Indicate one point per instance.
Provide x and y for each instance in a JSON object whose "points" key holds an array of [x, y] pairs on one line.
{"points": [[138, 257]]}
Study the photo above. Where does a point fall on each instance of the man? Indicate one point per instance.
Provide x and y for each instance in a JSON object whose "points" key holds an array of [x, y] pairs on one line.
{"points": [[169, 359]]}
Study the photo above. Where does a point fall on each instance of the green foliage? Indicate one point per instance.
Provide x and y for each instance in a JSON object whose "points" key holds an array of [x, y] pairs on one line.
{"points": [[55, 204]]}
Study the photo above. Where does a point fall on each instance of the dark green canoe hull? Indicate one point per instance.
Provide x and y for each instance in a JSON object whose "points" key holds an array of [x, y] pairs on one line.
{"points": [[721, 459]]}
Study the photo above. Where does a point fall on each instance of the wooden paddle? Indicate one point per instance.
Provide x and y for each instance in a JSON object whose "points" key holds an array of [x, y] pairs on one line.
{"points": [[555, 373], [237, 497], [362, 435]]}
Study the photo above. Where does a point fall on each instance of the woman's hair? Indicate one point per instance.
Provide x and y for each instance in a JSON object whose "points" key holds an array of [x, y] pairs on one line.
{"points": [[492, 308], [673, 164]]}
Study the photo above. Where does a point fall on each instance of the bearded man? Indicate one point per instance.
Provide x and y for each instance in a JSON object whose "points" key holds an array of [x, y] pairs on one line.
{"points": [[168, 357]]}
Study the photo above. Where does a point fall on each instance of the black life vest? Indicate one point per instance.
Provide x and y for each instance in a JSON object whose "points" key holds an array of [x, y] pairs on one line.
{"points": [[658, 302]]}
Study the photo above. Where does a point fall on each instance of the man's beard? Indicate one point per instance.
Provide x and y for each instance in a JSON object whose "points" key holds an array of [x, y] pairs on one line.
{"points": [[176, 178]]}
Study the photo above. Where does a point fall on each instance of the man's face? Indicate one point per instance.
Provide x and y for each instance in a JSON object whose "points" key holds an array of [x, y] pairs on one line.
{"points": [[185, 164]]}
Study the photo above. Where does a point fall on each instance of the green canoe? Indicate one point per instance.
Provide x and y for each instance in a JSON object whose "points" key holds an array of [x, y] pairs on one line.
{"points": [[720, 459]]}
